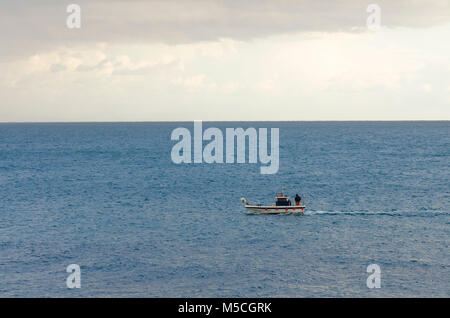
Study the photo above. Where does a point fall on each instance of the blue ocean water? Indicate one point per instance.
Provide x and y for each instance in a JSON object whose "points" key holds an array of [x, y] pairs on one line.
{"points": [[107, 196]]}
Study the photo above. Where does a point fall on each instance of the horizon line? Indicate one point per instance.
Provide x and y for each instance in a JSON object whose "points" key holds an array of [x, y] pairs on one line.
{"points": [[222, 121]]}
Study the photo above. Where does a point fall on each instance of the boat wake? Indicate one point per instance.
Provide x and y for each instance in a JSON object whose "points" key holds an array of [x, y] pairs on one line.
{"points": [[381, 213]]}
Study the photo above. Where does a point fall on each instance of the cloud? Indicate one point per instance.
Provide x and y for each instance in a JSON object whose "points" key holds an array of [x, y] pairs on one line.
{"points": [[146, 69], [427, 87], [28, 27], [223, 60]]}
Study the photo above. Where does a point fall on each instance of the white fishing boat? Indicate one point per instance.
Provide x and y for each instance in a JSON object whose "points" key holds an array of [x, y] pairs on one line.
{"points": [[282, 205]]}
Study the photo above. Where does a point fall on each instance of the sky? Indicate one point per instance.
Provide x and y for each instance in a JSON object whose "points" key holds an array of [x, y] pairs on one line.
{"points": [[224, 60]]}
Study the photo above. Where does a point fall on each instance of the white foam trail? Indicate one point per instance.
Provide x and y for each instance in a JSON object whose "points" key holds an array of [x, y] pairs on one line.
{"points": [[389, 213]]}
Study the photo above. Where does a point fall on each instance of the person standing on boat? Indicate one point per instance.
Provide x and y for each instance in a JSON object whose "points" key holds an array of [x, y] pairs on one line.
{"points": [[297, 199]]}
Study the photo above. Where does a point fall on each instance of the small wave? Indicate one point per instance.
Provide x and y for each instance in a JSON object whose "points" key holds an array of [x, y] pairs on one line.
{"points": [[379, 213]]}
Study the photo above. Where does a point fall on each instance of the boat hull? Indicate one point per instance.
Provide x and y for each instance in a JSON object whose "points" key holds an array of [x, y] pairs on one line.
{"points": [[256, 209]]}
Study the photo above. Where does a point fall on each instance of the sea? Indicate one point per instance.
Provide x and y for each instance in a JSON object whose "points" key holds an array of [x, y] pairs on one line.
{"points": [[109, 198]]}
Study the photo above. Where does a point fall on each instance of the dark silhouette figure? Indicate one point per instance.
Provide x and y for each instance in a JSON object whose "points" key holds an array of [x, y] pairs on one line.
{"points": [[297, 199]]}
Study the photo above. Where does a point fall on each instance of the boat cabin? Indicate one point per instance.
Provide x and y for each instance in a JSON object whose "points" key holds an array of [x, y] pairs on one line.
{"points": [[282, 200]]}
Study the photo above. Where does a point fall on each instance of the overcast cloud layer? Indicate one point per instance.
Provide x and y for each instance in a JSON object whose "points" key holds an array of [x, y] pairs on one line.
{"points": [[224, 60], [30, 26]]}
